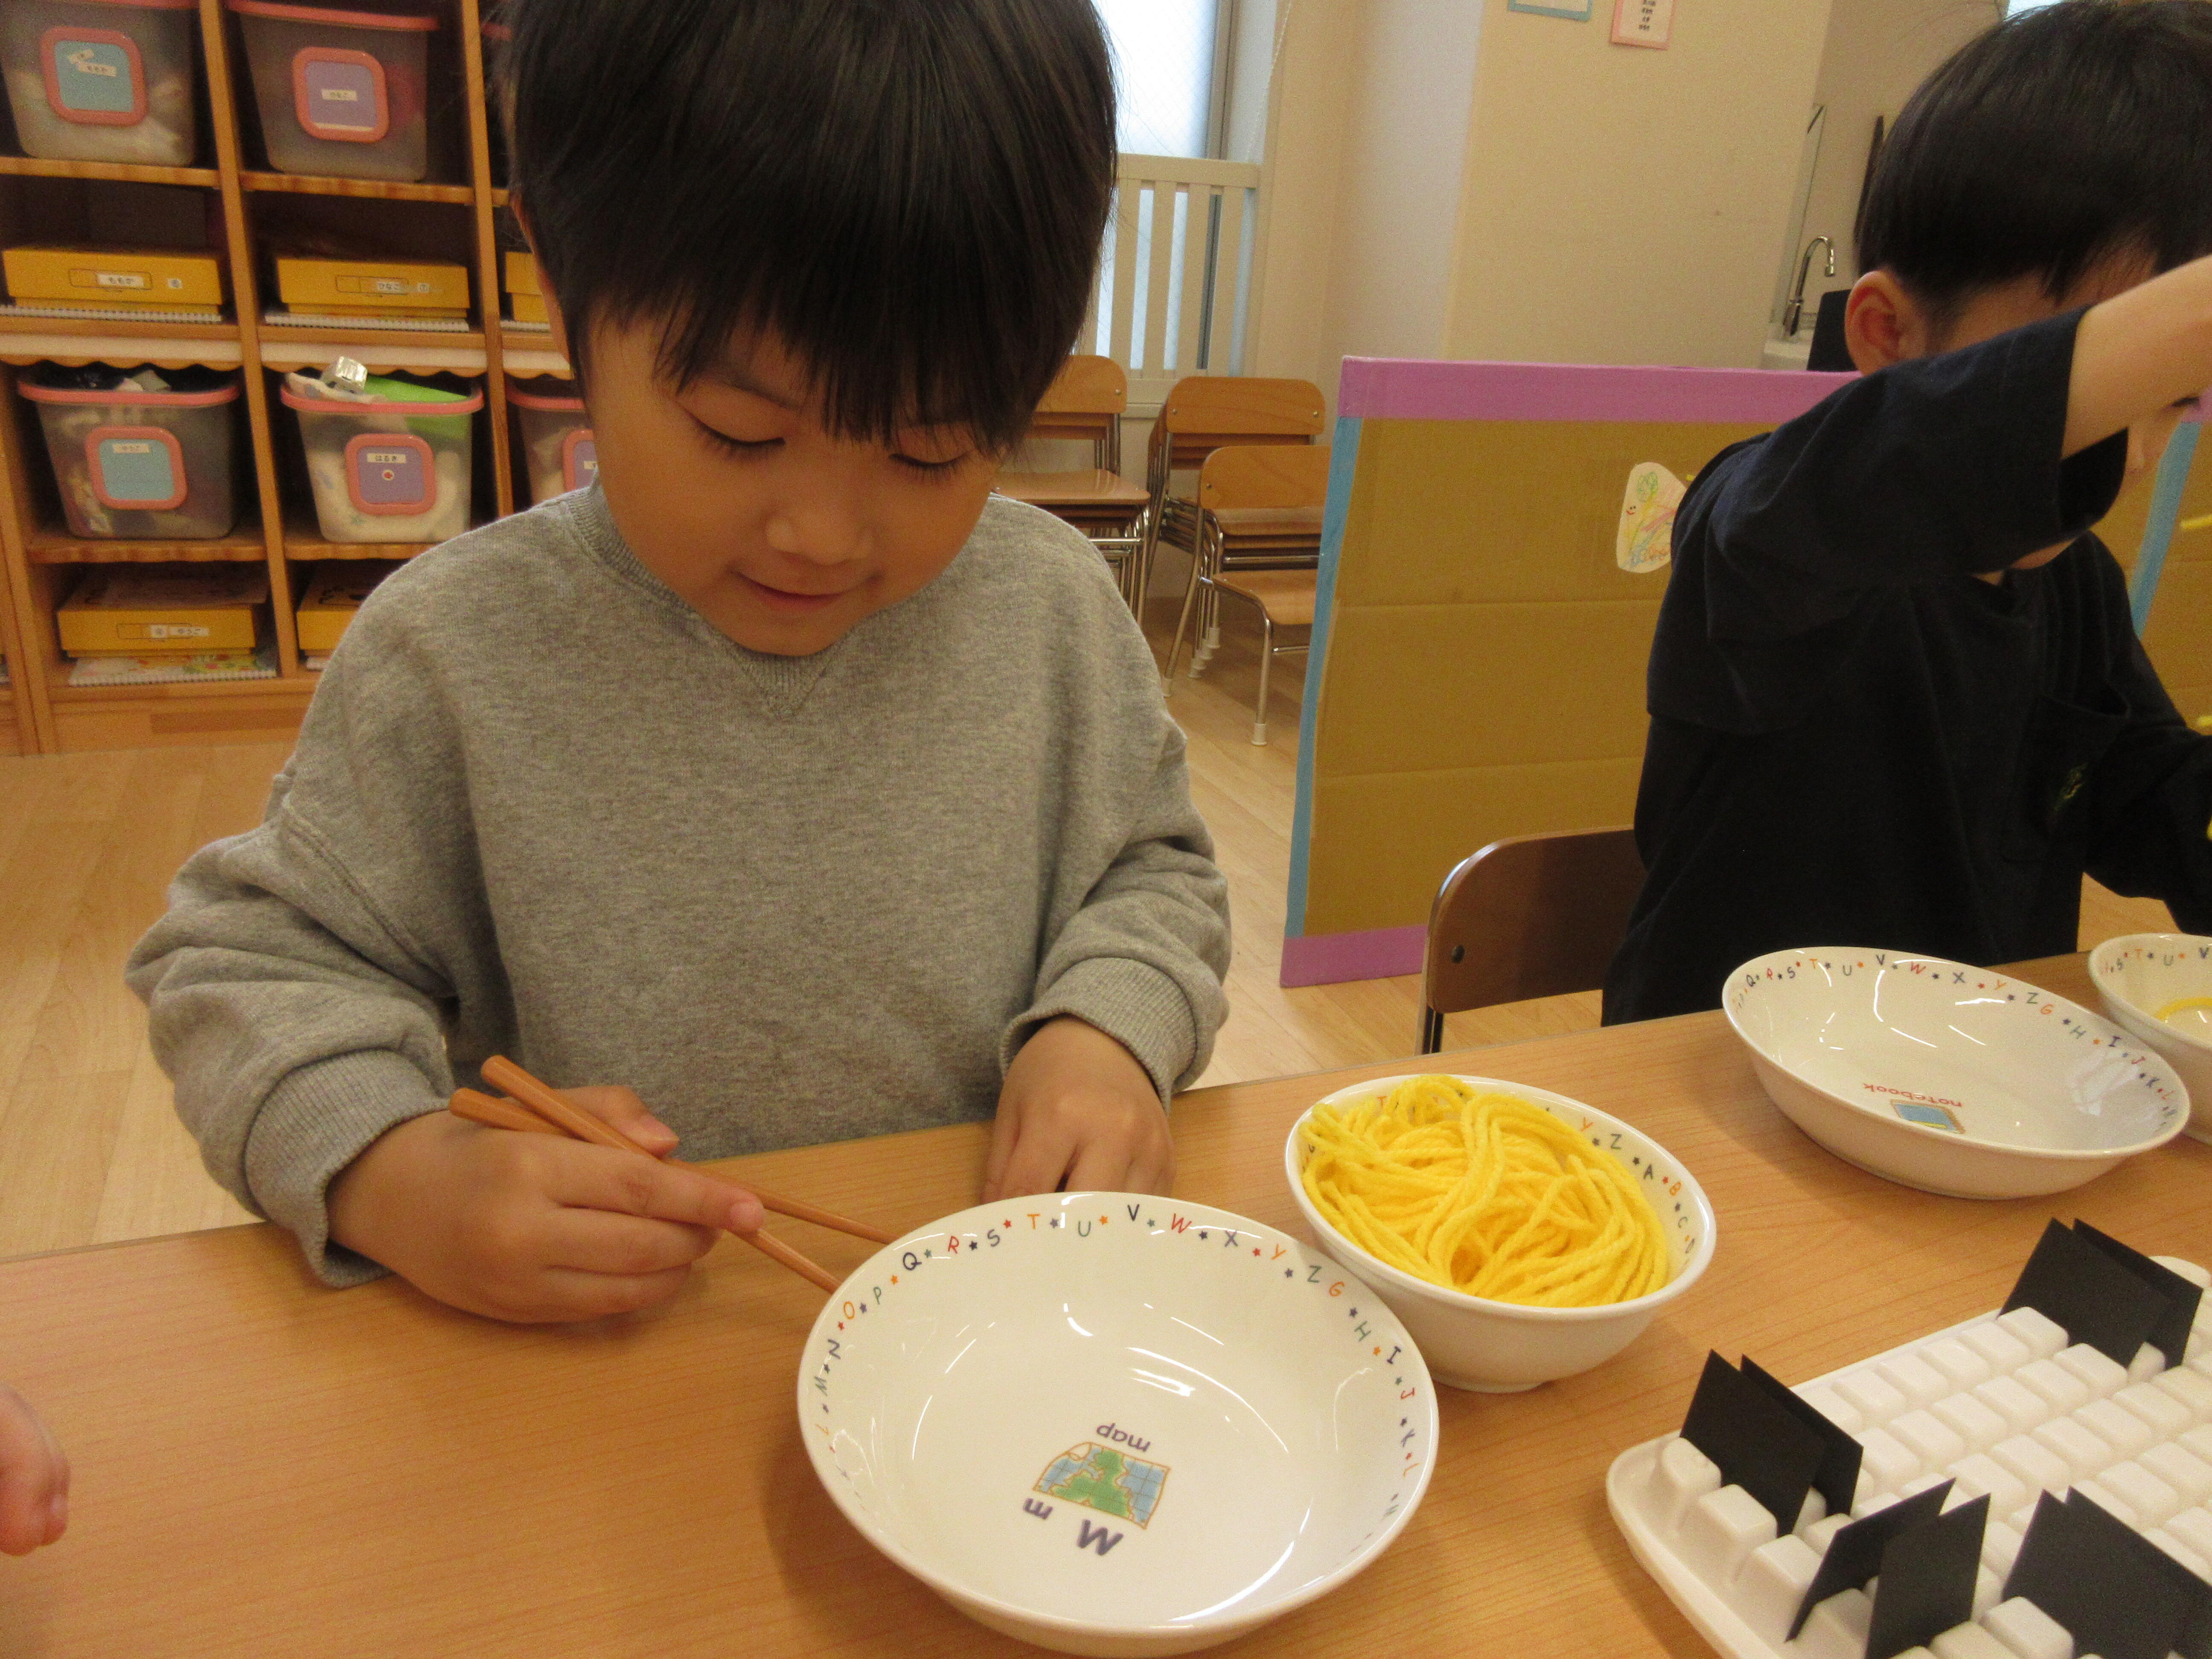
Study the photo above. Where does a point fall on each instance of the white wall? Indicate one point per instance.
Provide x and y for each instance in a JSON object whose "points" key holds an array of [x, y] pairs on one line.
{"points": [[1251, 67], [1582, 202], [1317, 45], [1624, 205], [1397, 230]]}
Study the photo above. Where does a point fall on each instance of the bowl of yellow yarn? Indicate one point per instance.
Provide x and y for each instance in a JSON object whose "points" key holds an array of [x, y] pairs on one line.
{"points": [[2158, 987], [1519, 1235]]}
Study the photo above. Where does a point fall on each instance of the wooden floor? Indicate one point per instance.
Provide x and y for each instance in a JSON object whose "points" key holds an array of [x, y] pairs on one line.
{"points": [[90, 1150]]}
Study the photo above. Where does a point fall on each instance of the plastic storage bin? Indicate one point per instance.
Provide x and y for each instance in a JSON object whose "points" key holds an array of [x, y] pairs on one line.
{"points": [[102, 80], [557, 445], [141, 466], [388, 468], [342, 93]]}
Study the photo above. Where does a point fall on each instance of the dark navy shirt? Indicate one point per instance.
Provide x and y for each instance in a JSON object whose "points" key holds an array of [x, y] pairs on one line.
{"points": [[1856, 741]]}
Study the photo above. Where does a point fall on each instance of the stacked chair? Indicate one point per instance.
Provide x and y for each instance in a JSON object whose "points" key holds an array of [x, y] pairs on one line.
{"points": [[1258, 525], [1202, 413], [1085, 403]]}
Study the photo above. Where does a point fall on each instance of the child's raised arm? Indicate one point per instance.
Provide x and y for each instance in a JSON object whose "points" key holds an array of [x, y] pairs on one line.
{"points": [[2139, 354]]}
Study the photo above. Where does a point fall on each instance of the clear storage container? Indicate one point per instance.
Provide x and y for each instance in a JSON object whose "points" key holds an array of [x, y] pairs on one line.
{"points": [[141, 466], [102, 80], [558, 449], [342, 93], [394, 466]]}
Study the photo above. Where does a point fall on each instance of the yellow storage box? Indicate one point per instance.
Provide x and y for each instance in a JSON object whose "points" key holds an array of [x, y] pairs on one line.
{"points": [[525, 289], [335, 593], [102, 279], [121, 611], [373, 287]]}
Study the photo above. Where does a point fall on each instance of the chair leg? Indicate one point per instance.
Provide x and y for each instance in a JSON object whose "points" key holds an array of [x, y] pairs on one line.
{"points": [[1140, 563], [1267, 662], [1183, 620], [1432, 1029]]}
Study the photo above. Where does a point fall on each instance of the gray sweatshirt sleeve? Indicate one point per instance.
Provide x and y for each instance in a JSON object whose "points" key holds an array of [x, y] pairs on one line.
{"points": [[1144, 958], [297, 990], [1140, 952]]}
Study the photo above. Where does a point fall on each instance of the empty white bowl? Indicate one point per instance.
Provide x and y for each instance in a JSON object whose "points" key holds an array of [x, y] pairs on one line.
{"points": [[2139, 974], [1503, 1347], [1111, 1424], [1953, 1079]]}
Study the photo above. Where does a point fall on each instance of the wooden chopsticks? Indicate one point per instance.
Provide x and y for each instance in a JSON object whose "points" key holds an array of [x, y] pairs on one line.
{"points": [[537, 1110]]}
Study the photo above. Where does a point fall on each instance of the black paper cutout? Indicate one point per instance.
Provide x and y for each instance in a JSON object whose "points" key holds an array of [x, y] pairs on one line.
{"points": [[1758, 1443], [2170, 1336], [1855, 1554], [2073, 1282], [1927, 1580], [2110, 1588], [1838, 1478], [2195, 1641]]}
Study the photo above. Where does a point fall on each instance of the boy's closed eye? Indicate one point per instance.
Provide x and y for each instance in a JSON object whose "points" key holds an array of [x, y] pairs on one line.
{"points": [[926, 466]]}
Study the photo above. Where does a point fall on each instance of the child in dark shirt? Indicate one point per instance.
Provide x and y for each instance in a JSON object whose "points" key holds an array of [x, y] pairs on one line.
{"points": [[1897, 698]]}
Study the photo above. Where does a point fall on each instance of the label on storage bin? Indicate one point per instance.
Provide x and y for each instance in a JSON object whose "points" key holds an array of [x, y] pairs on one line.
{"points": [[138, 469], [340, 95], [389, 474], [580, 459], [93, 76]]}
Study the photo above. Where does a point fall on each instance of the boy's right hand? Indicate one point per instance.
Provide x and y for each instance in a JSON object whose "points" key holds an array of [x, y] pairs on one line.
{"points": [[534, 1227], [33, 1478]]}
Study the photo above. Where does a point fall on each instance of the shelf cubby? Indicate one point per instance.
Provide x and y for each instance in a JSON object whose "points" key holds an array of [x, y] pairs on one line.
{"points": [[229, 202]]}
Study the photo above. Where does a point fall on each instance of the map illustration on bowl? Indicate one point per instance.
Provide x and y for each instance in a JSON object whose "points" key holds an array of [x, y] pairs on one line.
{"points": [[1112, 1482]]}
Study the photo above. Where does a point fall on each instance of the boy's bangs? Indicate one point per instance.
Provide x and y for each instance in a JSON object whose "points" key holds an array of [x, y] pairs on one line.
{"points": [[2066, 137], [907, 195]]}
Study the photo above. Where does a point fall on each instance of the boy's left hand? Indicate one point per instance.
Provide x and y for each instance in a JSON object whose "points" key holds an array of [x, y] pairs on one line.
{"points": [[1077, 1111]]}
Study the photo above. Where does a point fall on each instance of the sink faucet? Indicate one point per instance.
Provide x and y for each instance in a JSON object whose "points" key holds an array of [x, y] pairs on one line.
{"points": [[1796, 314]]}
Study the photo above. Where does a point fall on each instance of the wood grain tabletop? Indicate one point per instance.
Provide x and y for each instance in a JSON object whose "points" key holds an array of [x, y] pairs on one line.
{"points": [[267, 1467]]}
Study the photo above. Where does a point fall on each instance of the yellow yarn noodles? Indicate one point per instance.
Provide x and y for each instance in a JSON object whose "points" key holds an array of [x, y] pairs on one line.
{"points": [[1484, 1193]]}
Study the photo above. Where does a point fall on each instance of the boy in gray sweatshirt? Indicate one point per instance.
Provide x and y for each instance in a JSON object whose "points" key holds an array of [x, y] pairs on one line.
{"points": [[787, 779]]}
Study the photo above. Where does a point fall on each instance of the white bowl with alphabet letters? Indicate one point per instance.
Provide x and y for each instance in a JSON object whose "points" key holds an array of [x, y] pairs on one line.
{"points": [[1954, 1079], [1111, 1424]]}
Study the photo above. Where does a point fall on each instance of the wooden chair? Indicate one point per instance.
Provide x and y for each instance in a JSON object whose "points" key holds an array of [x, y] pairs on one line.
{"points": [[1201, 414], [1085, 403], [1258, 541], [1528, 916]]}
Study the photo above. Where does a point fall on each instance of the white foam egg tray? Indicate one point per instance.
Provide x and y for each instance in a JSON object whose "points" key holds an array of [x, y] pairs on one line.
{"points": [[2001, 1405]]}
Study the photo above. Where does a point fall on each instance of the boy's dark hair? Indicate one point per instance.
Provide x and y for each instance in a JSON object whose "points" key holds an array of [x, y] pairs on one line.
{"points": [[2052, 141], [908, 195]]}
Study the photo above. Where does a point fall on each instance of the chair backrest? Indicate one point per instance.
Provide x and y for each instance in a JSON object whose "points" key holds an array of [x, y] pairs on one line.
{"points": [[1087, 386], [1086, 402], [1530, 916], [1263, 476], [1203, 411]]}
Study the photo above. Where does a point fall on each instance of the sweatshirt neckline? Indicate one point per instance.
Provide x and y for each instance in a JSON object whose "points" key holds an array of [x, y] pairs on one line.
{"points": [[783, 681]]}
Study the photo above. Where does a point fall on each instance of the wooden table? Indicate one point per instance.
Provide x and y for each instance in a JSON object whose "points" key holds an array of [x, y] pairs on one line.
{"points": [[266, 1467]]}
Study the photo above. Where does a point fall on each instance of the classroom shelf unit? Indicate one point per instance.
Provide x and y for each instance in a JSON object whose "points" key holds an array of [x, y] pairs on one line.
{"points": [[244, 209]]}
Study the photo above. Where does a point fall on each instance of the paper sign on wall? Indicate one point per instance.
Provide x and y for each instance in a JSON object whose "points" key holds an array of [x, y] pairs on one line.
{"points": [[1642, 22], [1578, 10]]}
